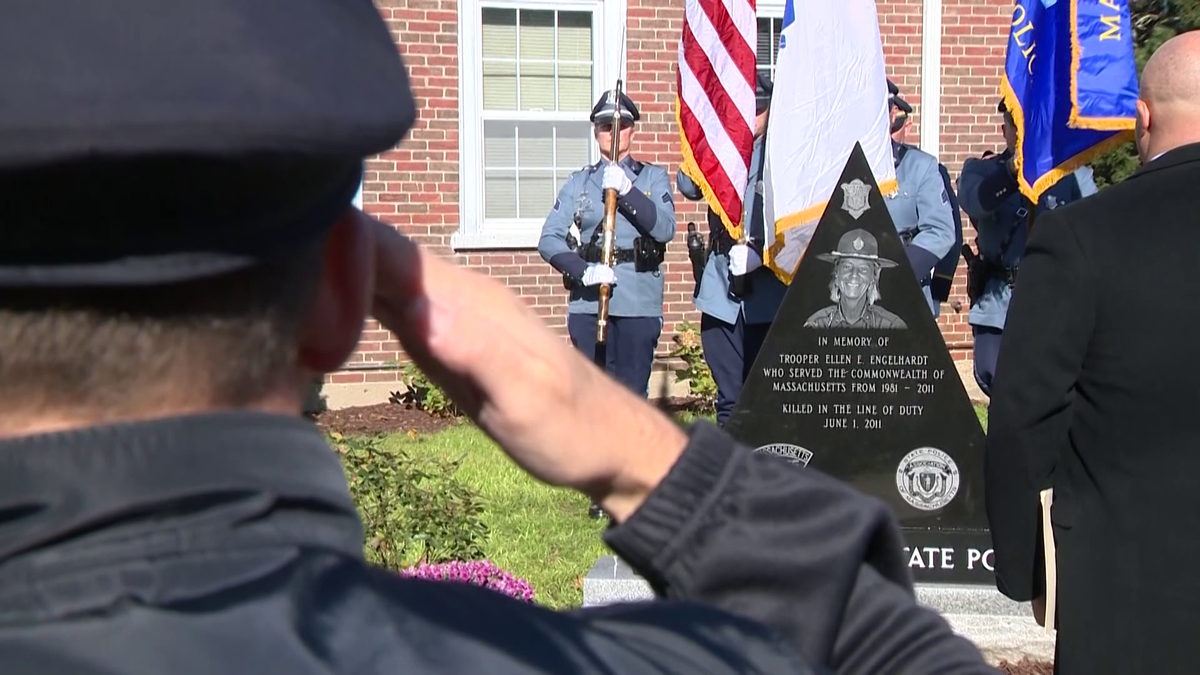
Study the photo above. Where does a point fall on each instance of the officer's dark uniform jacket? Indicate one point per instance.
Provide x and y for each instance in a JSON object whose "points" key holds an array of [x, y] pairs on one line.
{"points": [[228, 543], [1000, 214], [944, 271]]}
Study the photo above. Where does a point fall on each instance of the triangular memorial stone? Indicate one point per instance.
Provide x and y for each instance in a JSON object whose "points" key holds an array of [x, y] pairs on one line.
{"points": [[854, 379]]}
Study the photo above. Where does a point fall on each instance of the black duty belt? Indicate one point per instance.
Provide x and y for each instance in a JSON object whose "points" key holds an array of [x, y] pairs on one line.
{"points": [[620, 256]]}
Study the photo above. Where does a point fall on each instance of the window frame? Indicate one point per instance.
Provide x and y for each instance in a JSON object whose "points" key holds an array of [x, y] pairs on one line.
{"points": [[474, 231], [772, 10]]}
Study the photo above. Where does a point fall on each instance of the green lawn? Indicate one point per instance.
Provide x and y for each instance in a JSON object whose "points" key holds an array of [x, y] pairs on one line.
{"points": [[537, 532]]}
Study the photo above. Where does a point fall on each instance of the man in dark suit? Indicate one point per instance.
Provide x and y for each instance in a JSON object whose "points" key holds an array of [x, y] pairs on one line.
{"points": [[1094, 396]]}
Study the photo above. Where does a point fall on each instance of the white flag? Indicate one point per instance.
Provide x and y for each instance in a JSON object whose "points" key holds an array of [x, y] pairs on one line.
{"points": [[830, 93]]}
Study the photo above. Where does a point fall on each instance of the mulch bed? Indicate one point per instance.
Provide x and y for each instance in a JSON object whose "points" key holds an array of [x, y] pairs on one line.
{"points": [[678, 404], [1027, 667], [384, 418], [389, 418]]}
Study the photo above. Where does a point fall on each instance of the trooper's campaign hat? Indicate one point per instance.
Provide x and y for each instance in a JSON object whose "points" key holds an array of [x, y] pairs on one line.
{"points": [[603, 110], [858, 244], [146, 143], [895, 100]]}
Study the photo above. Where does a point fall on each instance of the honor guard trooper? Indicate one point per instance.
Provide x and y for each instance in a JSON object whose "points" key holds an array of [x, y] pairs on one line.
{"points": [[572, 238], [943, 273], [921, 207], [1002, 217], [732, 327]]}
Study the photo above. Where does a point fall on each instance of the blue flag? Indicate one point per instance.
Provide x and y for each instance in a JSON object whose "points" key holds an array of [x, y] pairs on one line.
{"points": [[1071, 84]]}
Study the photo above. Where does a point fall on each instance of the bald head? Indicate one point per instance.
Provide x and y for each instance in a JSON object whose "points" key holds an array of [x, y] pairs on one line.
{"points": [[1169, 102]]}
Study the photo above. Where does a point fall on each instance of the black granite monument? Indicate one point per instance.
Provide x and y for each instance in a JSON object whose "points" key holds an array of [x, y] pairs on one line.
{"points": [[854, 379]]}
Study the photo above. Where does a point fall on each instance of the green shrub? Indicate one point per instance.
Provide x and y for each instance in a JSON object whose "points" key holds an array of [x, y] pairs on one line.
{"points": [[699, 378], [414, 511], [423, 394]]}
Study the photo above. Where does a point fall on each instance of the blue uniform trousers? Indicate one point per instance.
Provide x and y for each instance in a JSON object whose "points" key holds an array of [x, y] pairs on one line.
{"points": [[730, 350], [987, 351], [629, 351]]}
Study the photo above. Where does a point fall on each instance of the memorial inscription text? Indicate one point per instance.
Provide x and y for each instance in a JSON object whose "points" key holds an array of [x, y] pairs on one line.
{"points": [[856, 382]]}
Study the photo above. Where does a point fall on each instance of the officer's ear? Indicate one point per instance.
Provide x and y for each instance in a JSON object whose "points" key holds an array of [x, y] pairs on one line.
{"points": [[344, 295]]}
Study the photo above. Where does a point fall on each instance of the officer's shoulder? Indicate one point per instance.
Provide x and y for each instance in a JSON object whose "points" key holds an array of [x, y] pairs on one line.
{"points": [[649, 169], [921, 157], [981, 163], [581, 173], [821, 315], [585, 170]]}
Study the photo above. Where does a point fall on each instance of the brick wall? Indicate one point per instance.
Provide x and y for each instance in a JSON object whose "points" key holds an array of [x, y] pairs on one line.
{"points": [[974, 37], [415, 186]]}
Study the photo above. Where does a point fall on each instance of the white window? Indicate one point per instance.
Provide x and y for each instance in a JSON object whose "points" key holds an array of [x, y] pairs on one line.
{"points": [[530, 71], [768, 43]]}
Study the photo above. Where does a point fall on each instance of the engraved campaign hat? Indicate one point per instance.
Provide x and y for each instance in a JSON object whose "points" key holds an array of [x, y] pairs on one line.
{"points": [[860, 245], [147, 143]]}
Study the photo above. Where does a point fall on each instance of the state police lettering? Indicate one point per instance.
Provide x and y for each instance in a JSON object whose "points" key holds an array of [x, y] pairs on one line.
{"points": [[943, 558]]}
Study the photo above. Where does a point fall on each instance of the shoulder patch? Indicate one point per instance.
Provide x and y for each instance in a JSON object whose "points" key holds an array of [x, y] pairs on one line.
{"points": [[945, 196], [557, 203], [666, 198]]}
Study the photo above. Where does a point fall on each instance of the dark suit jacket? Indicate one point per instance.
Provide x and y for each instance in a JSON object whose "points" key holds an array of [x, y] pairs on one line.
{"points": [[1095, 395]]}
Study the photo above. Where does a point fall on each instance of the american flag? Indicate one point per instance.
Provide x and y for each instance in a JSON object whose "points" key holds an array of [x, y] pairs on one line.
{"points": [[716, 105]]}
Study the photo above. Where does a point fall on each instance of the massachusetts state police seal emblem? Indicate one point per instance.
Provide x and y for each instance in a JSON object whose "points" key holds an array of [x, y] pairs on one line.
{"points": [[792, 453], [927, 479], [855, 197]]}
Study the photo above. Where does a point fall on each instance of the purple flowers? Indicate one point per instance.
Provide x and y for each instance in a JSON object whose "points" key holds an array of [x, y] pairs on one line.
{"points": [[479, 572]]}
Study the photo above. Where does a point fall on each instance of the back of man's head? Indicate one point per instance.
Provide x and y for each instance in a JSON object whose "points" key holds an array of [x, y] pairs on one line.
{"points": [[177, 232], [1169, 101]]}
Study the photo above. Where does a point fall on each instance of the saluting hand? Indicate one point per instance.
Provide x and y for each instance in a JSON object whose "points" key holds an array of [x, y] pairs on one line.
{"points": [[521, 383]]}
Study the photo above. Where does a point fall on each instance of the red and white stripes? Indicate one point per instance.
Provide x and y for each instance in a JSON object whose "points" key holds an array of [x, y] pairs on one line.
{"points": [[716, 104]]}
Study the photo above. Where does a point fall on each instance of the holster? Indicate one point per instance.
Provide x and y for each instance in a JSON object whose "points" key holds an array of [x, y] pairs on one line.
{"points": [[980, 270], [573, 244], [698, 255]]}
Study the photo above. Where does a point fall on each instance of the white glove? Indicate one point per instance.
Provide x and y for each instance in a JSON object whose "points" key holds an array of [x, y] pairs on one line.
{"points": [[597, 274], [615, 178], [743, 260]]}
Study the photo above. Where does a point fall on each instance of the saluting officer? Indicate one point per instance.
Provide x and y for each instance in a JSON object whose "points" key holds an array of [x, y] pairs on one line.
{"points": [[1002, 215], [921, 207], [732, 328], [645, 223], [943, 272]]}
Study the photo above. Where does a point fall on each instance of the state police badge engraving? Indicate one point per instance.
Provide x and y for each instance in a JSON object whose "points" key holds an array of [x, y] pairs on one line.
{"points": [[792, 453], [927, 479], [855, 197]]}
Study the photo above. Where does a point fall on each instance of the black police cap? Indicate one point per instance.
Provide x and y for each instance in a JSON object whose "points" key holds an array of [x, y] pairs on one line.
{"points": [[145, 142], [902, 105], [893, 90], [603, 110]]}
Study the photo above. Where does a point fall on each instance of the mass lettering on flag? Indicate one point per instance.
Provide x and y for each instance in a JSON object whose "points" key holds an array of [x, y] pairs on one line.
{"points": [[715, 107], [830, 93], [1071, 84]]}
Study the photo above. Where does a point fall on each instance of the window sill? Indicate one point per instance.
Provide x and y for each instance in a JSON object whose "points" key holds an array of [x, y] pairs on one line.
{"points": [[468, 241]]}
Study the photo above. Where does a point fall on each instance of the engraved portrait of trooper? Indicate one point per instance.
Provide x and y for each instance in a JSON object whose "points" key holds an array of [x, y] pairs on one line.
{"points": [[854, 286]]}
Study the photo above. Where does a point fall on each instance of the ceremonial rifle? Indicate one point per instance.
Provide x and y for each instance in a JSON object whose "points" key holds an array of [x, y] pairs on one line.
{"points": [[608, 245]]}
